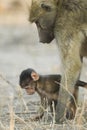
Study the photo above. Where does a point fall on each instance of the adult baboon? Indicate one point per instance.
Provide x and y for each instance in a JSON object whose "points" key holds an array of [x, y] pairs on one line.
{"points": [[66, 21]]}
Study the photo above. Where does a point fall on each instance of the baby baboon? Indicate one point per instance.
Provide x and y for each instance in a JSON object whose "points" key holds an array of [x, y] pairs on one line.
{"points": [[47, 86], [66, 21]]}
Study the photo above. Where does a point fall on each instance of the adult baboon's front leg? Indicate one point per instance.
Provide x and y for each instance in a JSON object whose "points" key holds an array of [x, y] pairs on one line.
{"points": [[71, 70]]}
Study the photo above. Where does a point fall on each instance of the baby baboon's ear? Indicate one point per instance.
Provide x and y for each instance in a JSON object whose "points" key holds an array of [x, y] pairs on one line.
{"points": [[35, 76]]}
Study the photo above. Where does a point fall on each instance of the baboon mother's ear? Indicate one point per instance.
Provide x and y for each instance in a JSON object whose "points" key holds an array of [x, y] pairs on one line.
{"points": [[35, 76]]}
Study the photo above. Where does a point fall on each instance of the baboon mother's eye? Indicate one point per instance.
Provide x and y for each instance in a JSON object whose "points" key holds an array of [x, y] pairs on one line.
{"points": [[46, 7]]}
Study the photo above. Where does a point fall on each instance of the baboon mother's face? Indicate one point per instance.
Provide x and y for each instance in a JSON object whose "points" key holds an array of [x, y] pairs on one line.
{"points": [[43, 14]]}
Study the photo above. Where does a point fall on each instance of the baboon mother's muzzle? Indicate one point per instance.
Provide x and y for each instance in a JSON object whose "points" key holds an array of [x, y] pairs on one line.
{"points": [[45, 36]]}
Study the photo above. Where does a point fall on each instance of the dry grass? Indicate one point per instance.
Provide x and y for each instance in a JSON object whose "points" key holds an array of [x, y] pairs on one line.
{"points": [[14, 119]]}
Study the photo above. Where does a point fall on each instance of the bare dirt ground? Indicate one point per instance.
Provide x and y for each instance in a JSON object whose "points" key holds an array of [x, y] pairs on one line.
{"points": [[20, 49]]}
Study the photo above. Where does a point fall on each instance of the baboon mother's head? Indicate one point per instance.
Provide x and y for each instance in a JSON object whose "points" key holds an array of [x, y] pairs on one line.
{"points": [[43, 14]]}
